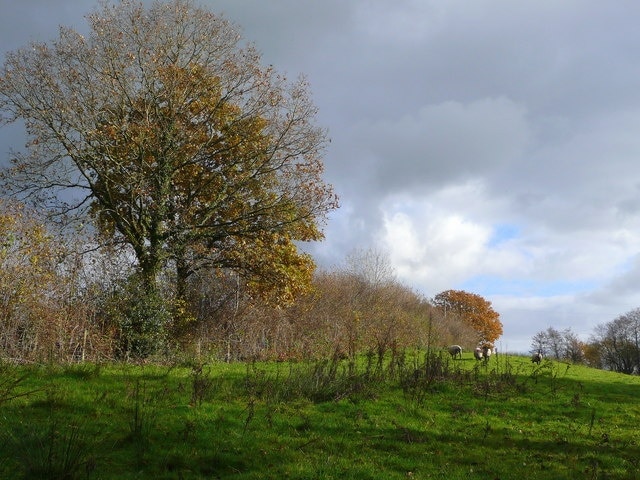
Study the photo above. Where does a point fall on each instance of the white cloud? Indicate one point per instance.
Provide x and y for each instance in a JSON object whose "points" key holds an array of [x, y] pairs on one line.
{"points": [[437, 253]]}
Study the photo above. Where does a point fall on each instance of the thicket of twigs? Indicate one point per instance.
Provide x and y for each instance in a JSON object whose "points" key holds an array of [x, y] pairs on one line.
{"points": [[63, 301]]}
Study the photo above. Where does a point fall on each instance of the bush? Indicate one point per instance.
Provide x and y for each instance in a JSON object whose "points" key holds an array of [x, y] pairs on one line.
{"points": [[142, 317]]}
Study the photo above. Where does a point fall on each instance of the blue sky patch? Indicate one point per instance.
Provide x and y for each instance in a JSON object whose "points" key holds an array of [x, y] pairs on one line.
{"points": [[502, 233]]}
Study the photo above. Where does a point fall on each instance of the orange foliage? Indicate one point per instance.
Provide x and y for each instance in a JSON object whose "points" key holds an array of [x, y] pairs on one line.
{"points": [[474, 310]]}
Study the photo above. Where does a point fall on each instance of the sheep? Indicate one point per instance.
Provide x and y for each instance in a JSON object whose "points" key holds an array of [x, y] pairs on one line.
{"points": [[478, 353], [486, 353], [455, 351], [536, 358]]}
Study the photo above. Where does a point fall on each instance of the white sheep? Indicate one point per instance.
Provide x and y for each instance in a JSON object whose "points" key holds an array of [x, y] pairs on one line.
{"points": [[478, 353], [455, 351], [486, 353]]}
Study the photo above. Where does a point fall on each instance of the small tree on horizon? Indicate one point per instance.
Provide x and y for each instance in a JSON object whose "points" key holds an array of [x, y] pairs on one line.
{"points": [[474, 310], [561, 345]]}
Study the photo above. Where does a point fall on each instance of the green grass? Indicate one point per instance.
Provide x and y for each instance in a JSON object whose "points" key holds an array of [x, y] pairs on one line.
{"points": [[441, 419]]}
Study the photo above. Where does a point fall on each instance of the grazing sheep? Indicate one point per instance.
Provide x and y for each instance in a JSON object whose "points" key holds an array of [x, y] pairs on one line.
{"points": [[478, 353], [536, 358], [455, 351], [486, 353]]}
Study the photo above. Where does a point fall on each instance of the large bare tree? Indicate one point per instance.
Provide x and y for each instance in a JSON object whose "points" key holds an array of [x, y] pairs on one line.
{"points": [[164, 126]]}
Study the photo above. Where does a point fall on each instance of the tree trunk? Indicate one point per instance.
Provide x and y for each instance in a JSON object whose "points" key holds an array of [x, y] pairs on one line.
{"points": [[182, 274]]}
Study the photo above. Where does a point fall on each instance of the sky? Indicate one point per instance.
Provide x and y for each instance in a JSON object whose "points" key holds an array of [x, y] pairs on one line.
{"points": [[489, 146]]}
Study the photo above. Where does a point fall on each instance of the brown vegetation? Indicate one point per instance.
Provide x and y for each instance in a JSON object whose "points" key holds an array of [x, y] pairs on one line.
{"points": [[473, 310], [60, 304]]}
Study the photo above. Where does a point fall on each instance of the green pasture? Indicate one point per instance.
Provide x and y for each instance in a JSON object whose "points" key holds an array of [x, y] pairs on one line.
{"points": [[412, 416]]}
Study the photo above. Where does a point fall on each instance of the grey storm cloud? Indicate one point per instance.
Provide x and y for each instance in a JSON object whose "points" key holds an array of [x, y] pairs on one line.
{"points": [[444, 143]]}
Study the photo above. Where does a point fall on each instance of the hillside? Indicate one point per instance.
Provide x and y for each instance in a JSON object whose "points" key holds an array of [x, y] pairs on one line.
{"points": [[411, 417]]}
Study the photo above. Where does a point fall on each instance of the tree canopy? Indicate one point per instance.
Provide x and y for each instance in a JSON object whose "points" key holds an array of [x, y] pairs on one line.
{"points": [[164, 127], [474, 310], [617, 343], [561, 345]]}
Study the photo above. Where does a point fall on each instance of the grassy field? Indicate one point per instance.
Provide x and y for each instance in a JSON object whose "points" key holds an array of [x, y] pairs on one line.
{"points": [[411, 417]]}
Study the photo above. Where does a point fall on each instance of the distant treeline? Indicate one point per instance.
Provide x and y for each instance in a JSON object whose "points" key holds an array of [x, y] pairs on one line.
{"points": [[67, 298], [614, 345]]}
